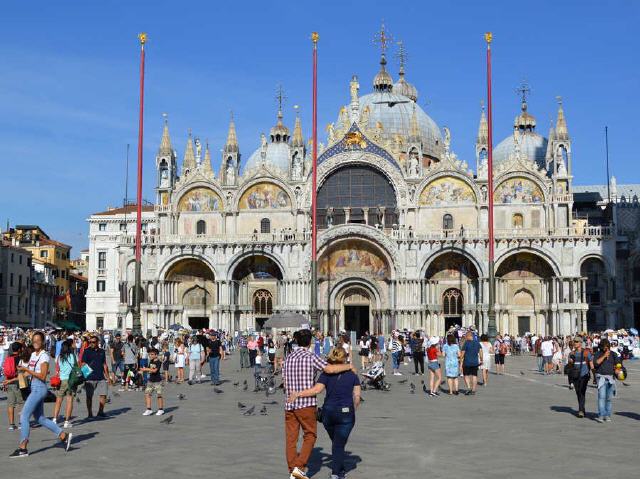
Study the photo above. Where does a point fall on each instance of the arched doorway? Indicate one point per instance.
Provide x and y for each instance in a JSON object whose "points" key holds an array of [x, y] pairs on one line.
{"points": [[356, 304], [190, 283], [452, 291], [523, 291], [255, 277]]}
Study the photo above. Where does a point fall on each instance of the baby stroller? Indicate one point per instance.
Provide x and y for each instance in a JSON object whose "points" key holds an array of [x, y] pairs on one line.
{"points": [[374, 378]]}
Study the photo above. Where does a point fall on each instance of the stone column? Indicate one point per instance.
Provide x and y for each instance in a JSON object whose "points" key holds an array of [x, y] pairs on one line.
{"points": [[366, 215]]}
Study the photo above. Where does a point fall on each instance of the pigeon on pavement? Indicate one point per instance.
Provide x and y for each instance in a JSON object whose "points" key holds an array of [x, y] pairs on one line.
{"points": [[263, 411], [241, 406], [250, 411], [218, 390], [412, 388], [402, 381], [167, 420], [181, 397]]}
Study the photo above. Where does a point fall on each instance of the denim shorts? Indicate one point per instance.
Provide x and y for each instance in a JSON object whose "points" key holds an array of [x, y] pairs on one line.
{"points": [[433, 365]]}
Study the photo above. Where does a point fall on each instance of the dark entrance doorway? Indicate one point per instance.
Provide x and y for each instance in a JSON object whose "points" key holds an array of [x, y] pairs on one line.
{"points": [[356, 318], [451, 321], [523, 325], [199, 322]]}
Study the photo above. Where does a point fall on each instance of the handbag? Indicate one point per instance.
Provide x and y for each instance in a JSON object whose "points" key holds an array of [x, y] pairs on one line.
{"points": [[319, 409], [76, 378], [55, 379]]}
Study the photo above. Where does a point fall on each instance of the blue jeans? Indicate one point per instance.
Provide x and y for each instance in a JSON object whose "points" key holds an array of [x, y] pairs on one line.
{"points": [[395, 357], [34, 405], [540, 364], [214, 369], [338, 425], [144, 363], [605, 395]]}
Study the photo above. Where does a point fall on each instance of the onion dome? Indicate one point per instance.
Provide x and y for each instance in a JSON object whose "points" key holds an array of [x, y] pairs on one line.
{"points": [[531, 144], [383, 82], [279, 133]]}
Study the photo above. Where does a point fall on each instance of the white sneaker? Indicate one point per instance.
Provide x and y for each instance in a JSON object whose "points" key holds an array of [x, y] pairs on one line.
{"points": [[67, 425], [54, 420], [298, 474], [148, 412], [160, 412]]}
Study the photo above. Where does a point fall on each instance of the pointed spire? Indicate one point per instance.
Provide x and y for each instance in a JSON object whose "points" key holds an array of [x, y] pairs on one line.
{"points": [[382, 81], [232, 138], [550, 140], [298, 140], [165, 142], [279, 133], [562, 133], [207, 169], [189, 161], [483, 127]]}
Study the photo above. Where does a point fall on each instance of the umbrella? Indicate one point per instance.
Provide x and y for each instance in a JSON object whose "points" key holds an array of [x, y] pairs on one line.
{"points": [[175, 327], [286, 319]]}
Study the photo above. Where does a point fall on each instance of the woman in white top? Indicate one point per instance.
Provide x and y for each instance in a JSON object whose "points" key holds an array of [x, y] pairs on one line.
{"points": [[36, 371], [365, 348], [487, 351], [179, 360]]}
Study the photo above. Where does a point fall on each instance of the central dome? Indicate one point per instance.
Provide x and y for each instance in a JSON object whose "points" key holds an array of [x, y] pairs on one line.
{"points": [[532, 145], [394, 112], [277, 154]]}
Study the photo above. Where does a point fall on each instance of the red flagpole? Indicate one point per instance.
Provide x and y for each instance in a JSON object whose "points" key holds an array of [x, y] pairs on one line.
{"points": [[314, 180], [491, 327], [136, 313]]}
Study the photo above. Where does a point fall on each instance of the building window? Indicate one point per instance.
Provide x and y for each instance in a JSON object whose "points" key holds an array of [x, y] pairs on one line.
{"points": [[201, 227], [518, 220], [102, 226], [10, 304], [102, 260], [123, 227], [265, 225], [44, 253], [12, 257], [262, 302], [1, 280], [452, 302], [20, 259], [101, 285], [11, 280], [447, 222], [99, 322], [19, 282]]}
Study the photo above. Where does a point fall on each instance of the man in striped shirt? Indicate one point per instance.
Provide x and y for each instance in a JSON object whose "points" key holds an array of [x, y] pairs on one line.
{"points": [[299, 373]]}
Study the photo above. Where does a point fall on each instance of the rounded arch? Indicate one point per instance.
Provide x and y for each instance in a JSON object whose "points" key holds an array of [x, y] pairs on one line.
{"points": [[524, 298], [541, 254], [595, 256], [526, 263], [177, 258], [241, 261], [431, 260], [511, 176], [342, 287], [441, 176], [185, 189], [267, 180], [189, 268]]}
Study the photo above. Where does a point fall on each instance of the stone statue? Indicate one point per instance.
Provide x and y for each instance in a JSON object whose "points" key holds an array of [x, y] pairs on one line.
{"points": [[447, 138], [412, 192], [297, 167], [164, 177], [329, 217], [483, 189], [198, 150], [231, 174], [263, 141], [414, 166], [364, 117], [354, 86], [331, 135], [379, 215]]}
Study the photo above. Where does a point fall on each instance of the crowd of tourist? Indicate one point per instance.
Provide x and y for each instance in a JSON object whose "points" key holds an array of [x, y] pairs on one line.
{"points": [[55, 366]]}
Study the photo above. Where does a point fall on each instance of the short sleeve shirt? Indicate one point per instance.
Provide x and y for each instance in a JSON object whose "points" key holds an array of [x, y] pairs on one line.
{"points": [[299, 372], [339, 389], [194, 351], [471, 350], [37, 360], [96, 360]]}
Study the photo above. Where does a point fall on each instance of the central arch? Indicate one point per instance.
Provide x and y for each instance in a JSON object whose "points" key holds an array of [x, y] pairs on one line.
{"points": [[355, 303], [190, 284]]}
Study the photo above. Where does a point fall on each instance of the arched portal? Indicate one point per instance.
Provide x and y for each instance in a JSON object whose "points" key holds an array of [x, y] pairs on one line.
{"points": [[356, 194], [254, 286], [452, 290], [190, 284], [524, 285]]}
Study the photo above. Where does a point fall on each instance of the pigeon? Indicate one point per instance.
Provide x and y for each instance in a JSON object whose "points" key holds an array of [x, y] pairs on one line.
{"points": [[108, 399], [245, 387], [263, 411], [167, 420], [412, 388], [78, 398], [236, 383], [244, 382], [625, 384], [424, 388], [181, 397], [522, 373], [402, 381], [272, 402], [241, 406], [250, 411], [116, 395], [218, 390]]}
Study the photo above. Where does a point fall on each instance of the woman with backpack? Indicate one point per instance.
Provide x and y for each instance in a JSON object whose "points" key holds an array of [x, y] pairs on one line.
{"points": [[417, 353], [64, 364], [578, 369], [37, 371], [501, 349]]}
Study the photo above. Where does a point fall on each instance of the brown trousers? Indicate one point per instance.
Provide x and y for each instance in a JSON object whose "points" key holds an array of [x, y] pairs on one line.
{"points": [[295, 420]]}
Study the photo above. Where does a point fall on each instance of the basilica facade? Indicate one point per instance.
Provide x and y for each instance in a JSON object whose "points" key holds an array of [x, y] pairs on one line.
{"points": [[402, 230]]}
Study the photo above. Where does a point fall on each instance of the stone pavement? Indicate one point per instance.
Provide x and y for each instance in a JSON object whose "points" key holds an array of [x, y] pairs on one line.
{"points": [[521, 425]]}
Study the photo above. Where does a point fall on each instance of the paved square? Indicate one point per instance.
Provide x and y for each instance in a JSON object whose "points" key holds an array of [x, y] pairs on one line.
{"points": [[518, 426]]}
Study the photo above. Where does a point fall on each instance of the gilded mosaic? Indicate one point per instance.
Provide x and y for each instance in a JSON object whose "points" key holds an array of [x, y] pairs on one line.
{"points": [[353, 257], [447, 191], [518, 191], [200, 199], [264, 196]]}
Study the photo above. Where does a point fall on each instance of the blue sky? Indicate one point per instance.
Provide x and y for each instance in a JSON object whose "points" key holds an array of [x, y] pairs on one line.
{"points": [[69, 73]]}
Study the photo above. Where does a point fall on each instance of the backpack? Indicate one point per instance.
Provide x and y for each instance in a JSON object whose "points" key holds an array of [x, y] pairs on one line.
{"points": [[9, 367], [503, 348]]}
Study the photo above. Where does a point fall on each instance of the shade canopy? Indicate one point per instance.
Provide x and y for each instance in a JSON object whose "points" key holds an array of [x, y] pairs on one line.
{"points": [[286, 319]]}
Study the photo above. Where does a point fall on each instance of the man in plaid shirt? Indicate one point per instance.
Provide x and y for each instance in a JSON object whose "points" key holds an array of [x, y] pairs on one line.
{"points": [[299, 373], [244, 351]]}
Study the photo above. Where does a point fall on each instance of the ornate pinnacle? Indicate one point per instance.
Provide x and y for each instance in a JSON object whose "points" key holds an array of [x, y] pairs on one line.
{"points": [[315, 37], [488, 37], [143, 38]]}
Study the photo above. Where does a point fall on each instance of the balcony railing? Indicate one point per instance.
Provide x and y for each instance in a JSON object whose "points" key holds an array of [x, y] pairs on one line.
{"points": [[278, 237]]}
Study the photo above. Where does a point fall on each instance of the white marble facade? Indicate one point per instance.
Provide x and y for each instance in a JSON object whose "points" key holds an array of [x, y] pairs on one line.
{"points": [[402, 236]]}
